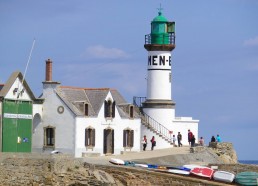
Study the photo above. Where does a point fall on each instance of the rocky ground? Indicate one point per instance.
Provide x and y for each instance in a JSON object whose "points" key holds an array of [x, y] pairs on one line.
{"points": [[61, 169]]}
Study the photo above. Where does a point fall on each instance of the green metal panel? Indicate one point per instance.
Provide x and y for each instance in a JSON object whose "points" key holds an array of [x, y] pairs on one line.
{"points": [[9, 139], [24, 132], [159, 33], [160, 38], [17, 124]]}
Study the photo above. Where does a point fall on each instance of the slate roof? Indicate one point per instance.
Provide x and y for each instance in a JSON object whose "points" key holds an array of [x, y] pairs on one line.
{"points": [[75, 98]]}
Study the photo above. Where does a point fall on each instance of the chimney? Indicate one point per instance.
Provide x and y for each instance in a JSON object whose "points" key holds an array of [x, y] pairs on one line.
{"points": [[48, 70]]}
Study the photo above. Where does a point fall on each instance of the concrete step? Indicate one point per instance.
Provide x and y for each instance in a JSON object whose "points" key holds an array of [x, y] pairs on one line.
{"points": [[90, 154]]}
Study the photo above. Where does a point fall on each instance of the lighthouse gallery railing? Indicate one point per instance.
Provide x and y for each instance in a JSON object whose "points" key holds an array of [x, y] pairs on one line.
{"points": [[170, 38], [150, 122]]}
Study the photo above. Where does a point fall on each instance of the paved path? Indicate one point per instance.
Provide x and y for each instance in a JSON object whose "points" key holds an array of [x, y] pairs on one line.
{"points": [[139, 155]]}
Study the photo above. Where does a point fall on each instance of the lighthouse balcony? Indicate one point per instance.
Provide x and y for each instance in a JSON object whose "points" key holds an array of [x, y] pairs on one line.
{"points": [[161, 39]]}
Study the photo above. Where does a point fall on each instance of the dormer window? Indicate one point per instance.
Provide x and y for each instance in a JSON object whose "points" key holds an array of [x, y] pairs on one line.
{"points": [[110, 109], [83, 107]]}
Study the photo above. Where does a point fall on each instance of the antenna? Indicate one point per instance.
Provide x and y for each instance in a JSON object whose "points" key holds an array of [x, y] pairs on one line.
{"points": [[34, 40], [28, 60]]}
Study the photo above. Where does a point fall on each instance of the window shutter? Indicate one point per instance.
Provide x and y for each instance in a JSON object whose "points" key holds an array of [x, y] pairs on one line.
{"points": [[106, 109], [104, 141], [132, 138], [124, 138], [113, 141], [86, 109], [86, 137], [113, 109], [53, 137], [131, 112], [93, 137], [45, 136]]}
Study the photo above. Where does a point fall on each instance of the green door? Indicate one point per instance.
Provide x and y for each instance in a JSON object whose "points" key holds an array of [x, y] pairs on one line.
{"points": [[17, 126]]}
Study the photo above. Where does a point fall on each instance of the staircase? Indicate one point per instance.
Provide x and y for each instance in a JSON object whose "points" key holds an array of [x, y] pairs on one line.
{"points": [[151, 123]]}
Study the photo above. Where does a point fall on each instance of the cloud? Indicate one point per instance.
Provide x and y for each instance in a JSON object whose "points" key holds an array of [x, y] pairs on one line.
{"points": [[251, 42], [102, 52]]}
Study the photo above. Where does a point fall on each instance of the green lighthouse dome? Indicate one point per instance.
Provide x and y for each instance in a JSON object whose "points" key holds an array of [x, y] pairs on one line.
{"points": [[160, 18], [159, 33]]}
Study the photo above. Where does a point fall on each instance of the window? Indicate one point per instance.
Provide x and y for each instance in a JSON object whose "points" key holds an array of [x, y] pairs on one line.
{"points": [[128, 138], [49, 136], [86, 109], [131, 111], [90, 137], [159, 28], [110, 109]]}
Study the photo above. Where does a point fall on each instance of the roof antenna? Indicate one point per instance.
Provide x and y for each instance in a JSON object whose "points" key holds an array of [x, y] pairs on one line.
{"points": [[160, 9], [34, 40]]}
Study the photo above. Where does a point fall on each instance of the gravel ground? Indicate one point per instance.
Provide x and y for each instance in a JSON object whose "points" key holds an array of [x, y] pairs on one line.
{"points": [[169, 156]]}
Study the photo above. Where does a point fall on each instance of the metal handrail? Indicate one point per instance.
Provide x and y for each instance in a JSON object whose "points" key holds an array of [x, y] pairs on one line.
{"points": [[150, 122], [171, 37]]}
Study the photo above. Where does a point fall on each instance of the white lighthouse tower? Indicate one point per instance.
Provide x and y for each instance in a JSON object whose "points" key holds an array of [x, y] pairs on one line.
{"points": [[159, 108]]}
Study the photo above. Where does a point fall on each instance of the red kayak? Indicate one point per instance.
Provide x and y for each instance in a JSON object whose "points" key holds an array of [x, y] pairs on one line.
{"points": [[203, 172]]}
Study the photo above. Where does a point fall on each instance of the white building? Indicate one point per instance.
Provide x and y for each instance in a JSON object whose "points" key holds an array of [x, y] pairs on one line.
{"points": [[82, 121]]}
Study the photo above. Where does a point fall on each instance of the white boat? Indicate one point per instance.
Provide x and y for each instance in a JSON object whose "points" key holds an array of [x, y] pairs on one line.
{"points": [[141, 165], [117, 161], [191, 166], [224, 176], [55, 152], [176, 171]]}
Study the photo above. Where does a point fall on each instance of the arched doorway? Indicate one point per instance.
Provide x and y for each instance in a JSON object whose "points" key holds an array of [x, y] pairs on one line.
{"points": [[36, 122]]}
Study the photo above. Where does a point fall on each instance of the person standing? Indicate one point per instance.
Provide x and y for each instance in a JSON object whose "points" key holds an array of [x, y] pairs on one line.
{"points": [[179, 138], [201, 141], [144, 142], [218, 138], [192, 141], [190, 135], [213, 139], [153, 142], [174, 140]]}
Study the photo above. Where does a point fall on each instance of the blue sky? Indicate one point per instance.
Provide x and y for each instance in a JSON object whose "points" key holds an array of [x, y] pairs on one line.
{"points": [[100, 44]]}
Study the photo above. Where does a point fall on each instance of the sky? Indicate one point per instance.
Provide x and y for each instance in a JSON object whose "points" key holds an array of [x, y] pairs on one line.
{"points": [[98, 44]]}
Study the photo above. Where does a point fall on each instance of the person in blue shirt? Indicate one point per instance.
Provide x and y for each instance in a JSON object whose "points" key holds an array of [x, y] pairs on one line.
{"points": [[218, 138]]}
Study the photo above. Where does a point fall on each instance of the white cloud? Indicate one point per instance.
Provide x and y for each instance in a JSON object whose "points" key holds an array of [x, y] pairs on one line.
{"points": [[251, 42], [102, 52]]}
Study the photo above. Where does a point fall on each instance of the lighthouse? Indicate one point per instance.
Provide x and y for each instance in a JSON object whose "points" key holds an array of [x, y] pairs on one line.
{"points": [[159, 108], [159, 44]]}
